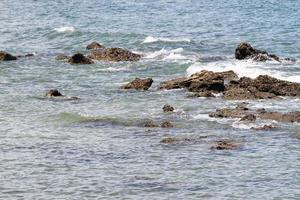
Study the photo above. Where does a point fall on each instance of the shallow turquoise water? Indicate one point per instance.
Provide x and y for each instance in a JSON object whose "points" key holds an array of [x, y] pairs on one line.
{"points": [[93, 148]]}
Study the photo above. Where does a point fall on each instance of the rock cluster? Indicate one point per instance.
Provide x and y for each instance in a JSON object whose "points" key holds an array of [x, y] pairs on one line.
{"points": [[138, 84]]}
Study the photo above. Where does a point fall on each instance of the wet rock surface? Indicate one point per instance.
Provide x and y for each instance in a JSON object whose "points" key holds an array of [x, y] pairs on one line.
{"points": [[94, 45], [225, 145], [62, 57], [150, 124], [168, 108], [245, 50], [251, 115], [4, 56], [79, 58], [138, 84], [166, 125], [205, 83], [53, 93], [114, 54]]}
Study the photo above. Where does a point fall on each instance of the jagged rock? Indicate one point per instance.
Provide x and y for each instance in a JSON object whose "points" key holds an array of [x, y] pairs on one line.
{"points": [[224, 145], [166, 125], [201, 82], [139, 84], [62, 57], [168, 108], [114, 54], [53, 93], [4, 56], [245, 50], [94, 45], [79, 58]]}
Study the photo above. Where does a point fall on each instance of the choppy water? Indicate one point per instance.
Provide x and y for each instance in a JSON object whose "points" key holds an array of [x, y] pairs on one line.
{"points": [[93, 148]]}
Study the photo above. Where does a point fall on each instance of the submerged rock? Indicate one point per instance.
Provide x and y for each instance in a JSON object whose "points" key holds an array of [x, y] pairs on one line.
{"points": [[79, 58], [62, 57], [239, 112], [249, 117], [166, 125], [224, 145], [168, 108], [94, 45], [139, 84], [169, 140], [114, 54], [150, 124], [53, 93], [4, 56], [245, 50], [26, 55]]}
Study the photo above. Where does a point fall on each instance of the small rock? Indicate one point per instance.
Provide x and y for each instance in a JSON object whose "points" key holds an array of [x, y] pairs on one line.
{"points": [[53, 93], [150, 124], [79, 58], [168, 108], [264, 128], [62, 57], [114, 54], [167, 125], [249, 117], [4, 56], [139, 84], [224, 145], [168, 140], [94, 45]]}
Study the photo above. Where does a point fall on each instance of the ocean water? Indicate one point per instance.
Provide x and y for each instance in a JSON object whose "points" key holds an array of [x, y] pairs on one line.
{"points": [[95, 148]]}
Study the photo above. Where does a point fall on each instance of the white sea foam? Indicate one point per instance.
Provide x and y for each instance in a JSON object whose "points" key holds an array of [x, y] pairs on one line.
{"points": [[151, 39], [65, 29], [244, 68]]}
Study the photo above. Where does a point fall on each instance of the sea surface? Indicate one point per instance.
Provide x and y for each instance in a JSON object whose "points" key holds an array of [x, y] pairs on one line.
{"points": [[96, 148]]}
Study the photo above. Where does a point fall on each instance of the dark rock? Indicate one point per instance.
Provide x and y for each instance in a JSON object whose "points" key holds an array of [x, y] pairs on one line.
{"points": [[139, 84], [264, 128], [53, 93], [167, 125], [26, 55], [249, 117], [245, 50], [114, 54], [201, 94], [79, 58], [94, 45], [4, 56], [224, 145], [62, 57], [168, 108]]}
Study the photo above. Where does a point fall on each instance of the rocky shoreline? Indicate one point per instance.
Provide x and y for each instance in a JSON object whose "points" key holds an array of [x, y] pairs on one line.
{"points": [[226, 85]]}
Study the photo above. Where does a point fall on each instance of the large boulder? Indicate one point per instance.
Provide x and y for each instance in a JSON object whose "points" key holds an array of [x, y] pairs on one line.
{"points": [[114, 54], [94, 45], [245, 50], [79, 58], [53, 93], [4, 56], [201, 82], [138, 84]]}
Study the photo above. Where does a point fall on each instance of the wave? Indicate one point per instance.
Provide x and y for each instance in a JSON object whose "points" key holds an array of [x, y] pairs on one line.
{"points": [[151, 39], [65, 29], [170, 55], [247, 68]]}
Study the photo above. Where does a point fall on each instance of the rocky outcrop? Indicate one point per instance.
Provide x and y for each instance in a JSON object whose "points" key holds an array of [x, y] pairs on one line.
{"points": [[79, 58], [4, 56], [230, 87], [114, 54], [168, 108], [139, 84], [245, 51], [53, 93], [94, 45], [251, 115], [201, 82]]}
